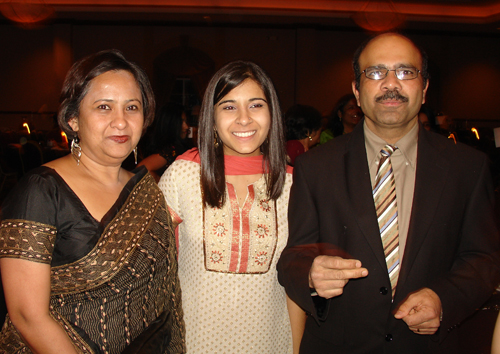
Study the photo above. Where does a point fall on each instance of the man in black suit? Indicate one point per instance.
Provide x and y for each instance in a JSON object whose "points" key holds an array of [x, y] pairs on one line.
{"points": [[445, 259]]}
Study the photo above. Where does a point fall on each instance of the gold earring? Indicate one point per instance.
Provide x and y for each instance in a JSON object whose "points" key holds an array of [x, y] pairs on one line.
{"points": [[216, 141], [76, 150], [310, 138], [135, 155]]}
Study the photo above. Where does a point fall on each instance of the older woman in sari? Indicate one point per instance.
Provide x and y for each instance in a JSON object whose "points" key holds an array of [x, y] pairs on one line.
{"points": [[87, 251]]}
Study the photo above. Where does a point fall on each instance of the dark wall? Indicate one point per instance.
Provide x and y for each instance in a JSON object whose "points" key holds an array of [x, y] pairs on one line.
{"points": [[308, 66]]}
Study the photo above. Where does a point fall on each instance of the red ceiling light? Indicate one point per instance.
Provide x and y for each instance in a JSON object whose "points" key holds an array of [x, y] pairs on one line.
{"points": [[378, 16], [26, 13]]}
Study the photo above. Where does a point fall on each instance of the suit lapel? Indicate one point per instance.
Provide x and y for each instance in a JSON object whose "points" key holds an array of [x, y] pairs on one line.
{"points": [[430, 178], [359, 191]]}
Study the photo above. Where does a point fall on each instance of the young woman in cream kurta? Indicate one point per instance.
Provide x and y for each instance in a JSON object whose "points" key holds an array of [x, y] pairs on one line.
{"points": [[230, 200]]}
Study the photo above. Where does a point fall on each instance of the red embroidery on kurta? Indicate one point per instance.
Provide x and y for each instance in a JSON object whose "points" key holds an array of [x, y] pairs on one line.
{"points": [[261, 258], [235, 239], [245, 221], [261, 231], [264, 204], [219, 229], [216, 257]]}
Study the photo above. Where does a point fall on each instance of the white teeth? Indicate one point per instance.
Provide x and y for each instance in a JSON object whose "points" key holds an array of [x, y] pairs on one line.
{"points": [[244, 134]]}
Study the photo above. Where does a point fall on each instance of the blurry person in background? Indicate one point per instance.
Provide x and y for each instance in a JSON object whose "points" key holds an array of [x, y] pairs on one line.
{"points": [[424, 120], [303, 128], [427, 118], [168, 140], [344, 117]]}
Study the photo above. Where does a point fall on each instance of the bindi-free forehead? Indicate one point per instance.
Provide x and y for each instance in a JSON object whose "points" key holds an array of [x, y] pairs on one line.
{"points": [[390, 51], [113, 85]]}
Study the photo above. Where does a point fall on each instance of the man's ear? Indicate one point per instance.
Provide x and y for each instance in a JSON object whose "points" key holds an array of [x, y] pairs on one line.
{"points": [[356, 92], [425, 91], [73, 123]]}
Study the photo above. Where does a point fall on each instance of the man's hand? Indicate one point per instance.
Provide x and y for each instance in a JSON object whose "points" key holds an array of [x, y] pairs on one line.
{"points": [[329, 274], [421, 311]]}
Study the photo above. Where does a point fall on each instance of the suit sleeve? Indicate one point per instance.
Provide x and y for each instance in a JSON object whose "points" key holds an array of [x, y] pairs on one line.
{"points": [[302, 247], [476, 269]]}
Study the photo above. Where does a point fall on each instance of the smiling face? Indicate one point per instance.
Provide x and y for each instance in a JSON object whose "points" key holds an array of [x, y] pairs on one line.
{"points": [[243, 119], [390, 105], [110, 119], [350, 114]]}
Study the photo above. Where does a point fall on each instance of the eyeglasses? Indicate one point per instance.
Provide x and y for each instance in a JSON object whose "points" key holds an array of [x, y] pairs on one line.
{"points": [[381, 73]]}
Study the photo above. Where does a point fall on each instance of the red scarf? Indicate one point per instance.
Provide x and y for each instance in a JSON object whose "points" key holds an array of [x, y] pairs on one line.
{"points": [[233, 165]]}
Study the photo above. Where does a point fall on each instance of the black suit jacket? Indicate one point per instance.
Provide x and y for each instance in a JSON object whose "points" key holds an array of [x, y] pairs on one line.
{"points": [[452, 245]]}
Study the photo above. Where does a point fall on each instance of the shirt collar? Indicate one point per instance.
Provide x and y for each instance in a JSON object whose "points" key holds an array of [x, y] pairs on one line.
{"points": [[407, 145]]}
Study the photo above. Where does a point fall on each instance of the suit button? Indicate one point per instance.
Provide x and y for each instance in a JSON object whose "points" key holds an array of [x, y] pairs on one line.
{"points": [[388, 337], [383, 290]]}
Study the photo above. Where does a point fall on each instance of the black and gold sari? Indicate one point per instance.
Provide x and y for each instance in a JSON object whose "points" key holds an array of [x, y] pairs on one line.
{"points": [[114, 284]]}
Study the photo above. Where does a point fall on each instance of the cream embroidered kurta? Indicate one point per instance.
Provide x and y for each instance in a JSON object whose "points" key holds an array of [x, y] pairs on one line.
{"points": [[231, 297]]}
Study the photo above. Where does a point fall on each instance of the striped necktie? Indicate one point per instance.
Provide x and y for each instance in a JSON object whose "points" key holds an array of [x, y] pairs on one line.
{"points": [[384, 196]]}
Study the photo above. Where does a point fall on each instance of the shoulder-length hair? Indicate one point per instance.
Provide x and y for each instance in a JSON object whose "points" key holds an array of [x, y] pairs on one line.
{"points": [[213, 181], [77, 83]]}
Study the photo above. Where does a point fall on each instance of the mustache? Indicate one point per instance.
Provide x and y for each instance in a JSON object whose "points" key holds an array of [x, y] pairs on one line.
{"points": [[391, 95]]}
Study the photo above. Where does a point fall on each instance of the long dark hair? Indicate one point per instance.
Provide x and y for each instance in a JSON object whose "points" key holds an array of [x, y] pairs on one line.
{"points": [[213, 181]]}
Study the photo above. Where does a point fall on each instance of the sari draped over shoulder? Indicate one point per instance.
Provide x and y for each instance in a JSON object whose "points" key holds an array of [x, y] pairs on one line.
{"points": [[123, 294]]}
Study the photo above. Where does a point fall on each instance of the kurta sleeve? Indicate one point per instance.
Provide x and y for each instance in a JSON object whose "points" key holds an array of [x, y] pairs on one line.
{"points": [[169, 185]]}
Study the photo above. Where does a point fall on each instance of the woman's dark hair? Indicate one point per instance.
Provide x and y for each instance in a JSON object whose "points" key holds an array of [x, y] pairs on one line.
{"points": [[213, 181], [335, 122], [76, 85], [300, 121], [167, 128]]}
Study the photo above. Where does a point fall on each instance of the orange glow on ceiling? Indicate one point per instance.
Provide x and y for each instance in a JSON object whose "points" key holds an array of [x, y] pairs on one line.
{"points": [[484, 12], [407, 8]]}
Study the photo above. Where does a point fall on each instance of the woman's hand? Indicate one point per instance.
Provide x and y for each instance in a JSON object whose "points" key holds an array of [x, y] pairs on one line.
{"points": [[297, 321], [27, 294]]}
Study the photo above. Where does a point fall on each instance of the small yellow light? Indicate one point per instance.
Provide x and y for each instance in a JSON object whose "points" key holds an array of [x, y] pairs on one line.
{"points": [[27, 127], [63, 134], [452, 136], [474, 130]]}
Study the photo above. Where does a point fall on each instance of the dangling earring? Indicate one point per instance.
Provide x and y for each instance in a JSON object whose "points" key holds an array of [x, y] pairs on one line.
{"points": [[310, 138], [135, 155], [76, 150], [216, 141]]}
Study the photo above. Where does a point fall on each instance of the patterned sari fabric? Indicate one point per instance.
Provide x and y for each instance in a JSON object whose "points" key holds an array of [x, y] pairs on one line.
{"points": [[126, 288]]}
